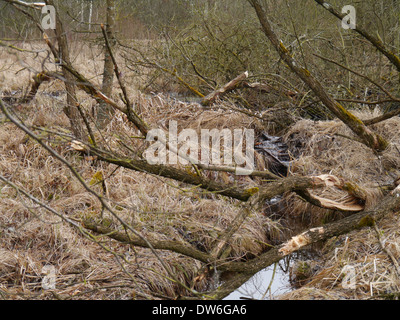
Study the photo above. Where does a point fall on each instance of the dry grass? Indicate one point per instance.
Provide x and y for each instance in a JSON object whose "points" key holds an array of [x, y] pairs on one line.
{"points": [[32, 238]]}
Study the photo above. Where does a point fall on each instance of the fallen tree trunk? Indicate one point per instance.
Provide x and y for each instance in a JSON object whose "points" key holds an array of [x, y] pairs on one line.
{"points": [[241, 272], [280, 186]]}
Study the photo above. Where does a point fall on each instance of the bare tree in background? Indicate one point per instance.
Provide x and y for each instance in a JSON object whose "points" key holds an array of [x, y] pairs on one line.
{"points": [[105, 112], [70, 109]]}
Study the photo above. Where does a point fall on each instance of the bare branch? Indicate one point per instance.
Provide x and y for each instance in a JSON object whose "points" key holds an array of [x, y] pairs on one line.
{"points": [[230, 86]]}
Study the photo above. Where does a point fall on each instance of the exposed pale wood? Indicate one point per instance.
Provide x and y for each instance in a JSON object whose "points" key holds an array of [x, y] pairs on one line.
{"points": [[348, 205], [266, 88], [37, 80], [241, 272]]}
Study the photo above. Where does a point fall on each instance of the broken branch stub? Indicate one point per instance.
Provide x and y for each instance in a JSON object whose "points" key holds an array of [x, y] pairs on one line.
{"points": [[230, 86], [299, 241], [37, 80]]}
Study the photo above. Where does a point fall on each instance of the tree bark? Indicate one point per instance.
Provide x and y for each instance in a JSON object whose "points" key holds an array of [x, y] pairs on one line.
{"points": [[64, 56], [230, 86], [243, 271], [240, 272], [104, 111]]}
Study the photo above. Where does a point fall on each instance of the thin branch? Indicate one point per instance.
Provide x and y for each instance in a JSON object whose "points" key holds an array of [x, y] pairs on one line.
{"points": [[386, 250], [20, 49], [117, 73], [170, 245], [392, 98]]}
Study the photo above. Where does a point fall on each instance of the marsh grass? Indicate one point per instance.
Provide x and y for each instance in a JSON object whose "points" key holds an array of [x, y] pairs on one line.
{"points": [[33, 238]]}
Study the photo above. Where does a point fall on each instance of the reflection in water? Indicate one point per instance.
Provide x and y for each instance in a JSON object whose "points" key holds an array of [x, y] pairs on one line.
{"points": [[260, 286], [265, 285]]}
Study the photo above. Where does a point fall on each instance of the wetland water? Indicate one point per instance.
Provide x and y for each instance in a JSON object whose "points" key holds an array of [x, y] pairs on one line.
{"points": [[256, 287]]}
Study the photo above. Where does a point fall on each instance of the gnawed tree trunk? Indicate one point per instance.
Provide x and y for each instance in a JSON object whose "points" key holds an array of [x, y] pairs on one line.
{"points": [[239, 272], [353, 203], [104, 111], [366, 136]]}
